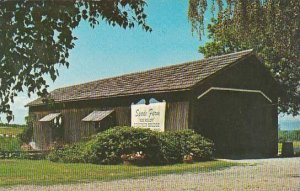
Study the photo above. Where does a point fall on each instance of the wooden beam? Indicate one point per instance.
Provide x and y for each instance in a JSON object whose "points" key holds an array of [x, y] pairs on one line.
{"points": [[235, 90]]}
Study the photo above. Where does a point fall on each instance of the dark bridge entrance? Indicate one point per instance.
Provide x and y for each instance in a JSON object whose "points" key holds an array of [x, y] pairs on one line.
{"points": [[237, 121]]}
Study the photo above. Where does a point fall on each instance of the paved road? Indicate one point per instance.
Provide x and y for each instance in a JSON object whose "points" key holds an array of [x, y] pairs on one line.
{"points": [[262, 174]]}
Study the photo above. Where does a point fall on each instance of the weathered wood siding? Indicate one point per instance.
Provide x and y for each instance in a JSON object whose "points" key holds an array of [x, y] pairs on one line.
{"points": [[42, 132], [74, 129], [177, 116], [123, 116]]}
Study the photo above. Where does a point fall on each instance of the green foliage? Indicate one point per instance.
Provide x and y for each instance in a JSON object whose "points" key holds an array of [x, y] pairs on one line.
{"points": [[288, 136], [26, 135], [36, 37], [11, 125], [108, 146], [159, 148], [271, 28], [68, 153], [17, 154], [10, 144], [175, 145]]}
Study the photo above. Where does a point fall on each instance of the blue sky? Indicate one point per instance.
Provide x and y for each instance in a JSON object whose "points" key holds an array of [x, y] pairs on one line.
{"points": [[108, 51]]}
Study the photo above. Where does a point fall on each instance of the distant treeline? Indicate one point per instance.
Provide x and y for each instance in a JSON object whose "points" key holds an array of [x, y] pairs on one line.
{"points": [[289, 135], [12, 125]]}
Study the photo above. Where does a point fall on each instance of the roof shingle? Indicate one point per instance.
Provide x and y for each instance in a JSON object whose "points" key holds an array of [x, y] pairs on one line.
{"points": [[165, 79]]}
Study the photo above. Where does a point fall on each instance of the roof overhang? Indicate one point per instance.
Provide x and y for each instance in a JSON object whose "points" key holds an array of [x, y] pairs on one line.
{"points": [[97, 116], [50, 117], [141, 94]]}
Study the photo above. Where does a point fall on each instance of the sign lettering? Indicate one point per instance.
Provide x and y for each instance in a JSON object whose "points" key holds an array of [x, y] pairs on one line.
{"points": [[149, 116]]}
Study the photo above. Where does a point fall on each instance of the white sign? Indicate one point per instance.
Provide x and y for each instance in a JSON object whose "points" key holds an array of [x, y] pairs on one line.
{"points": [[150, 116]]}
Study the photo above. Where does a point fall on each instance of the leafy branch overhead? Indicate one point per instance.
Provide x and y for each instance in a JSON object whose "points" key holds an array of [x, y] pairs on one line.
{"points": [[271, 28], [36, 37]]}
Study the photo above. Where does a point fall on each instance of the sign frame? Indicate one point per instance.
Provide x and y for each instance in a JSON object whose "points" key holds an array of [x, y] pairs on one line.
{"points": [[151, 116]]}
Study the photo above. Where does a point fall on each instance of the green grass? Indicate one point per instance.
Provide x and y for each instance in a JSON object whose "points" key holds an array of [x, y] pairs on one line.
{"points": [[279, 148], [296, 145], [11, 130], [9, 144], [43, 172]]}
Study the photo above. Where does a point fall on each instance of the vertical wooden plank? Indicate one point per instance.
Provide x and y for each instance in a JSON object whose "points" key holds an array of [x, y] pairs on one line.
{"points": [[177, 116], [39, 135], [123, 116], [74, 129]]}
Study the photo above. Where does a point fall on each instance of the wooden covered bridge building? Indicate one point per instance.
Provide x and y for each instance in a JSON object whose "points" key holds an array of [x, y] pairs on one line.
{"points": [[231, 99]]}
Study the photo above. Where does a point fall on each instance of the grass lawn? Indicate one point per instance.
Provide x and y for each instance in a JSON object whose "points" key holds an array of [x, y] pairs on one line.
{"points": [[11, 130], [10, 143], [43, 172]]}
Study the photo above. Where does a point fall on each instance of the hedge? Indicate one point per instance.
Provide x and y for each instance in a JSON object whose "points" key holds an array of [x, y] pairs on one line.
{"points": [[67, 153], [108, 146], [176, 145], [32, 155]]}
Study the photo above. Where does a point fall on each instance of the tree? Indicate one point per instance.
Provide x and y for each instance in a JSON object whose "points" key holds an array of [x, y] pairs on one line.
{"points": [[36, 37], [271, 28]]}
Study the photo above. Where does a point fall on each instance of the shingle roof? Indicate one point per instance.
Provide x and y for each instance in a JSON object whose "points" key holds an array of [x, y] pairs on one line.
{"points": [[165, 79]]}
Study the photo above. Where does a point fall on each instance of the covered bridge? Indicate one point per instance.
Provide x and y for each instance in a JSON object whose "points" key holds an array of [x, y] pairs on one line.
{"points": [[231, 99]]}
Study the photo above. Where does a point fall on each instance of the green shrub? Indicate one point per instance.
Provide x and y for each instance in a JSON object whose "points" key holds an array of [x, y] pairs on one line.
{"points": [[170, 148], [26, 135], [159, 148], [175, 145], [108, 146], [67, 153], [284, 136]]}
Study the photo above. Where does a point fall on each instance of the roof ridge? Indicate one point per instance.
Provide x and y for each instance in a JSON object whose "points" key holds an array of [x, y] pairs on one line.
{"points": [[131, 73], [229, 54], [155, 69]]}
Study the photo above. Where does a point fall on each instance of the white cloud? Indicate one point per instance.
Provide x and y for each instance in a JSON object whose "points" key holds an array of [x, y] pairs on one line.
{"points": [[19, 109]]}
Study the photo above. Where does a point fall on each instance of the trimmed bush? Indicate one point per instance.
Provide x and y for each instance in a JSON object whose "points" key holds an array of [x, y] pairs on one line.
{"points": [[108, 146], [68, 153], [175, 145], [170, 148]]}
